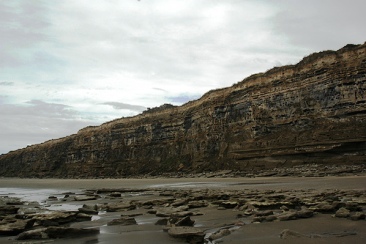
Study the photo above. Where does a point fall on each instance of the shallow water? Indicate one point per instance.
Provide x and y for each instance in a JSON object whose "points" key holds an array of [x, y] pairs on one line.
{"points": [[29, 195], [40, 196]]}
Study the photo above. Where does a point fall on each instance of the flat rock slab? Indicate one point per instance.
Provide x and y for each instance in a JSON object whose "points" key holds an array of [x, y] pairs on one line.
{"points": [[15, 227], [287, 234], [186, 232], [122, 206], [87, 210], [123, 221], [117, 190], [182, 214], [85, 198], [60, 217], [56, 233], [8, 209]]}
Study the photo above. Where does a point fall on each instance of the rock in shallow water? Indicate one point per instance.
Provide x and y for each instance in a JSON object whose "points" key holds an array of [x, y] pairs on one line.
{"points": [[120, 206], [219, 234], [123, 221], [287, 234], [86, 198], [185, 221], [191, 234], [161, 222], [88, 209]]}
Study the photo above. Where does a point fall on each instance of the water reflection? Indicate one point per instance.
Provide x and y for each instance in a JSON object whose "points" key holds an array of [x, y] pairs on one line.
{"points": [[41, 197]]}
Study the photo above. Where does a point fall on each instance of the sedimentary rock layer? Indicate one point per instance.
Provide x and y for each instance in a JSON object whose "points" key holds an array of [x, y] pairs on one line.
{"points": [[311, 112]]}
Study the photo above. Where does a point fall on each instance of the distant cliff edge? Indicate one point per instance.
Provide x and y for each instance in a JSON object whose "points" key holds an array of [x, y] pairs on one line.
{"points": [[311, 112]]}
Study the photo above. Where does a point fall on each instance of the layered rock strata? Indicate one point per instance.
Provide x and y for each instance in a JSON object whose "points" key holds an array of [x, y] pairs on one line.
{"points": [[311, 112]]}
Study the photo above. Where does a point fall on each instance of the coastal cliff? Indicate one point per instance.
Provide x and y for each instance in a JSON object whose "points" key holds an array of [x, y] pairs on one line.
{"points": [[311, 112]]}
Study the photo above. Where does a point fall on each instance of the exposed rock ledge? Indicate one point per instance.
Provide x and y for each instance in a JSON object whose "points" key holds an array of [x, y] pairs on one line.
{"points": [[311, 112]]}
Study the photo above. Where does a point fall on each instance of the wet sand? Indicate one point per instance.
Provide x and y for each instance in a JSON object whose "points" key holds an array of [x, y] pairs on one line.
{"points": [[296, 183], [322, 226]]}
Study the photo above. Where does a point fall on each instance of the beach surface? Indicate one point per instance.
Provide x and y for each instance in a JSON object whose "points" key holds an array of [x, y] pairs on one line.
{"points": [[331, 182], [320, 228]]}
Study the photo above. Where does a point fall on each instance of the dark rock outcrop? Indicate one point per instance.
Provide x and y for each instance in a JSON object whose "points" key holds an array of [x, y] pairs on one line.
{"points": [[123, 221], [311, 112], [56, 233], [190, 234], [15, 226]]}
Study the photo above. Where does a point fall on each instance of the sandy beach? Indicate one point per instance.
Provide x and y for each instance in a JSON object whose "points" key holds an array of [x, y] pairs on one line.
{"points": [[323, 226], [331, 182]]}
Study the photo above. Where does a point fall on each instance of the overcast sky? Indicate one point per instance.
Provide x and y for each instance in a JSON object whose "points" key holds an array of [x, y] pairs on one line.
{"points": [[66, 64]]}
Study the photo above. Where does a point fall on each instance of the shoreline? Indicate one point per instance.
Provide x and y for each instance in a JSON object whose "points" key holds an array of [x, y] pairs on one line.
{"points": [[325, 182]]}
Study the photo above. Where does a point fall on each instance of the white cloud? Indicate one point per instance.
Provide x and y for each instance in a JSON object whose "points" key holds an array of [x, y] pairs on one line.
{"points": [[35, 122], [320, 25], [125, 106], [95, 57]]}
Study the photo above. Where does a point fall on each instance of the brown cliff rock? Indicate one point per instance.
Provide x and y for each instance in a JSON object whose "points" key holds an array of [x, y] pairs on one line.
{"points": [[311, 112]]}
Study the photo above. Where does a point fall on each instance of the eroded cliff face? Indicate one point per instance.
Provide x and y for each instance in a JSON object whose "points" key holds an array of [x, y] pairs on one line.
{"points": [[311, 112]]}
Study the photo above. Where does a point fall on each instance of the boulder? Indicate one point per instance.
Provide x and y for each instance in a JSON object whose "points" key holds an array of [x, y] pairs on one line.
{"points": [[342, 213]]}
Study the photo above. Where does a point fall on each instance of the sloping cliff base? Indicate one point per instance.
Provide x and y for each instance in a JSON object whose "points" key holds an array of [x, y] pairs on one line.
{"points": [[313, 112], [197, 210]]}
